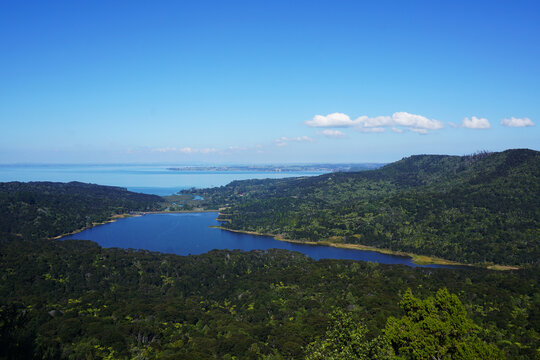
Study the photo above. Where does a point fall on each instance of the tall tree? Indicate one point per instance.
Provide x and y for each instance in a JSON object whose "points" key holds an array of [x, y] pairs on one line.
{"points": [[436, 328]]}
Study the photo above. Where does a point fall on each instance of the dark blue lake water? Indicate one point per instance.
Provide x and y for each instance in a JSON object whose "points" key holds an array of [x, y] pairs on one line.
{"points": [[189, 233]]}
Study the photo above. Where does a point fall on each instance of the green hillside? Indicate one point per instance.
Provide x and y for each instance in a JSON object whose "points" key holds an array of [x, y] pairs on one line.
{"points": [[45, 209], [481, 208]]}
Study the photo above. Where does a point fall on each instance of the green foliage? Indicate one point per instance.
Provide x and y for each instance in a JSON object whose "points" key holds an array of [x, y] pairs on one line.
{"points": [[483, 208], [249, 305], [346, 339], [436, 328], [74, 300], [37, 210]]}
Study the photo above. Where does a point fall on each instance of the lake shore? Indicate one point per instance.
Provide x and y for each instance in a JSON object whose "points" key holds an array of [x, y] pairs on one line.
{"points": [[417, 259], [177, 212], [115, 218], [110, 220]]}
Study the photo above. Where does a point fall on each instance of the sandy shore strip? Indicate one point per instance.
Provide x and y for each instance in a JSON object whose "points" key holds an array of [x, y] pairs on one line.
{"points": [[417, 259]]}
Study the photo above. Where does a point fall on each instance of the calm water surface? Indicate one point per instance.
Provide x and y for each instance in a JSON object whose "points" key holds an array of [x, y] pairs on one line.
{"points": [[189, 233], [149, 179]]}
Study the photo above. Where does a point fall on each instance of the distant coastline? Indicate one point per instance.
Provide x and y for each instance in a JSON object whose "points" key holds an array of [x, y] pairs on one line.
{"points": [[317, 168]]}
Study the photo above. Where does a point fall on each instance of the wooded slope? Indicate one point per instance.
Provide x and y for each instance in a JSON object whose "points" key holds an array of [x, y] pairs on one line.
{"points": [[480, 208], [45, 209]]}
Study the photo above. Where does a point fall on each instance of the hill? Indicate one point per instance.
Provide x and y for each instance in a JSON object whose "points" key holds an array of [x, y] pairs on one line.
{"points": [[36, 210], [481, 208]]}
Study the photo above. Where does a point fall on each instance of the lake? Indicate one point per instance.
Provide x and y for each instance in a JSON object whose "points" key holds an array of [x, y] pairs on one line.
{"points": [[149, 179], [190, 233]]}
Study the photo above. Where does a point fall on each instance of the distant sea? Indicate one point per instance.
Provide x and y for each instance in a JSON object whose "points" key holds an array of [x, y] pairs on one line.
{"points": [[148, 179]]}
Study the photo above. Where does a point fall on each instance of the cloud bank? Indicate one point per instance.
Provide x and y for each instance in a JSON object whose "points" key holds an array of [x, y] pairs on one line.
{"points": [[517, 122], [475, 123], [397, 121], [331, 120]]}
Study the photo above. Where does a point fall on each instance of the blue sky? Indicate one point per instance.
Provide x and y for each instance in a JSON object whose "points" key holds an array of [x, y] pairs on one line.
{"points": [[260, 82]]}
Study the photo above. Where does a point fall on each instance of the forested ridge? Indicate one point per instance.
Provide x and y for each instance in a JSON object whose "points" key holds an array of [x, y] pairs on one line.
{"points": [[481, 208], [35, 210]]}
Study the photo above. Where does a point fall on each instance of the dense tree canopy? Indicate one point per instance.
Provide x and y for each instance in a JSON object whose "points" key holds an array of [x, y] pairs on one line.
{"points": [[436, 328], [45, 209], [483, 208], [346, 339], [73, 299]]}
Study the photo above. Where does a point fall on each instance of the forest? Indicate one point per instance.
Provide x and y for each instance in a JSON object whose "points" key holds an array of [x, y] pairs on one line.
{"points": [[75, 300], [482, 208], [36, 210]]}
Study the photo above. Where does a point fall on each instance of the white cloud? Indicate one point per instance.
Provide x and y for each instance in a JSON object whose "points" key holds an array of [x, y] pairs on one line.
{"points": [[336, 134], [377, 121], [517, 122], [397, 130], [284, 140], [331, 120], [401, 119], [415, 121], [475, 123], [420, 131]]}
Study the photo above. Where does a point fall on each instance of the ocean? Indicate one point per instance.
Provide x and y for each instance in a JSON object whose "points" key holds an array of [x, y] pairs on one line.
{"points": [[149, 179]]}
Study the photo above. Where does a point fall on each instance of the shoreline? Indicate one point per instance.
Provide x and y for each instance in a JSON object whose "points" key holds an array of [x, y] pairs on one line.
{"points": [[116, 217], [175, 212], [416, 259], [112, 219]]}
